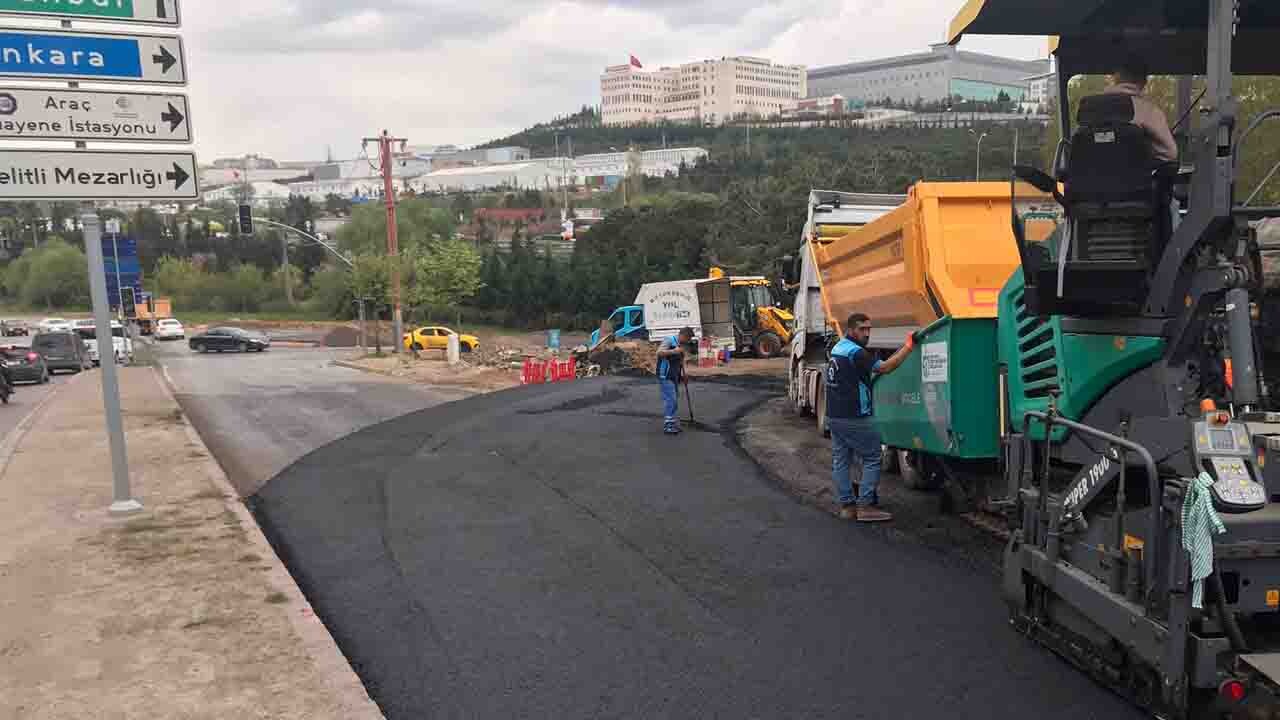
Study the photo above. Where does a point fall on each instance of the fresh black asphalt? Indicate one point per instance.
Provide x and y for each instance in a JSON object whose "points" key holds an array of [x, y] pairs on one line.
{"points": [[547, 553]]}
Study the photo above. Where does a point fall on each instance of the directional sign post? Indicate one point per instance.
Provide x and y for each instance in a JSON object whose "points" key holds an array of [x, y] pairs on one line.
{"points": [[35, 114], [108, 57], [97, 175], [155, 12]]}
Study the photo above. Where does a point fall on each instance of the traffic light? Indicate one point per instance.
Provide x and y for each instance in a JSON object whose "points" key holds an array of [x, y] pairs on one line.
{"points": [[246, 220], [128, 303]]}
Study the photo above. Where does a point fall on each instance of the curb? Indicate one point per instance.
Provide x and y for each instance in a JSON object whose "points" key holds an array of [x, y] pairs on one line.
{"points": [[9, 445], [363, 369], [334, 668]]}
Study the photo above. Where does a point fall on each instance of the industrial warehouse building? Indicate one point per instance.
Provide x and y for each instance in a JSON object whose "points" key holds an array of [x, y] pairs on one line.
{"points": [[541, 174], [939, 75]]}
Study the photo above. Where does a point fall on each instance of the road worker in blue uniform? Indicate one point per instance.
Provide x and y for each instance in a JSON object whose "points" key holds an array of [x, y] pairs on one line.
{"points": [[851, 417], [670, 375]]}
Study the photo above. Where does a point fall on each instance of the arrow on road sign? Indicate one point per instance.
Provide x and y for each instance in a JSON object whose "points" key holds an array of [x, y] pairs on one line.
{"points": [[173, 117], [178, 176], [164, 59]]}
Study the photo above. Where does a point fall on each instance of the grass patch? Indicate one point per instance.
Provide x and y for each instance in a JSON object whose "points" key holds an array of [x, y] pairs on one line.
{"points": [[277, 598], [203, 317]]}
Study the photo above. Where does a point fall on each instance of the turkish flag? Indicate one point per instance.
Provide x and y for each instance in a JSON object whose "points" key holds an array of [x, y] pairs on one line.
{"points": [[635, 62]]}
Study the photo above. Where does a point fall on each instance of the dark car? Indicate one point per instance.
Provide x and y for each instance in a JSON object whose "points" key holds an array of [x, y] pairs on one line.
{"points": [[24, 365], [62, 351], [224, 339]]}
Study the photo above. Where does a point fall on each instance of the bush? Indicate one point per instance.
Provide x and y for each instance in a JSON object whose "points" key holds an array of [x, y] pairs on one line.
{"points": [[55, 274]]}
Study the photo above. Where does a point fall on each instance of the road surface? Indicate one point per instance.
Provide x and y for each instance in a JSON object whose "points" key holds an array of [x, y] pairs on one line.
{"points": [[27, 396], [546, 552], [260, 412]]}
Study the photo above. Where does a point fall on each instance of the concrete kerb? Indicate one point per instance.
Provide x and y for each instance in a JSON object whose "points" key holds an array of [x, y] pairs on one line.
{"points": [[363, 369], [320, 646]]}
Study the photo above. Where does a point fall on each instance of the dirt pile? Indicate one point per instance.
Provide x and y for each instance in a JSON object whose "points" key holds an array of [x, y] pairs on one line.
{"points": [[506, 358], [627, 357]]}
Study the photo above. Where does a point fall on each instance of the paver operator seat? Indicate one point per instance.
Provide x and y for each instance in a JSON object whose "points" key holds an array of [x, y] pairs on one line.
{"points": [[1116, 196]]}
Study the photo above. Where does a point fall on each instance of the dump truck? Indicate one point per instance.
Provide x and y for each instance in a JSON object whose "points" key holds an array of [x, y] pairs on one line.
{"points": [[942, 250], [151, 310]]}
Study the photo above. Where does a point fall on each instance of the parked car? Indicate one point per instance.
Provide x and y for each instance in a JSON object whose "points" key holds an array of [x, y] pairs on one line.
{"points": [[437, 338], [62, 351], [24, 365], [88, 332], [225, 339], [169, 329], [14, 328], [54, 325]]}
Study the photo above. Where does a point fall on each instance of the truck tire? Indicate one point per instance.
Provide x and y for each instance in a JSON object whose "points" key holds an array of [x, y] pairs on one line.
{"points": [[889, 459], [915, 474], [767, 345], [820, 410]]}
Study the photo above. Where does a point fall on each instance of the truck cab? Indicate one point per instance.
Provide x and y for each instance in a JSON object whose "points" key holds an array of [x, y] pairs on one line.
{"points": [[627, 322]]}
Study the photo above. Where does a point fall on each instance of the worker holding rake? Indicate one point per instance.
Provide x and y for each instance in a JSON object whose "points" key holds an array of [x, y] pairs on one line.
{"points": [[670, 375]]}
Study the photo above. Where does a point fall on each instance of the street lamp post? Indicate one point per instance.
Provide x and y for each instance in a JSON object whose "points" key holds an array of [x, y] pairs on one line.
{"points": [[977, 176]]}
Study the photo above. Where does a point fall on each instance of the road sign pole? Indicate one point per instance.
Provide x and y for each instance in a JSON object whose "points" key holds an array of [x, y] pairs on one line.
{"points": [[123, 501]]}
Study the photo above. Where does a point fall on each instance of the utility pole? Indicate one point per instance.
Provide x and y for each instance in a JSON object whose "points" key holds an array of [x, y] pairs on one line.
{"points": [[387, 157]]}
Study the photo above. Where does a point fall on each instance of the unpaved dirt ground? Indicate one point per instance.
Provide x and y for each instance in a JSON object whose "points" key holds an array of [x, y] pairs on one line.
{"points": [[797, 457], [742, 366], [430, 368], [174, 613]]}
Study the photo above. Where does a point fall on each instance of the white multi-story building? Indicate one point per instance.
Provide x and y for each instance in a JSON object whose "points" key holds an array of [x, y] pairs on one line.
{"points": [[1042, 89], [709, 91]]}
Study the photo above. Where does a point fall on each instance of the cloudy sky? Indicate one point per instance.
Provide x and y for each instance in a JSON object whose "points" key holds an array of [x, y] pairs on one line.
{"points": [[288, 78]]}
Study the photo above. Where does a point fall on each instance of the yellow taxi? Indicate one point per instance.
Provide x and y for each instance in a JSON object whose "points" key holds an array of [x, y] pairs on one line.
{"points": [[437, 338]]}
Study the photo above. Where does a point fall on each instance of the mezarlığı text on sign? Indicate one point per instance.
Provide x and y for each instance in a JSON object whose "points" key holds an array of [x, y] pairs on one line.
{"points": [[73, 177]]}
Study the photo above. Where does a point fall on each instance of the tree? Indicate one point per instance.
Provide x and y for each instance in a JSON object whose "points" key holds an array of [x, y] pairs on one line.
{"points": [[446, 275], [331, 292], [54, 275], [417, 223], [244, 288], [337, 205], [369, 279]]}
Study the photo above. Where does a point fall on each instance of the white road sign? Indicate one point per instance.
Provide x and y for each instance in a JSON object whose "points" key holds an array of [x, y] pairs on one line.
{"points": [[32, 53], [35, 114], [97, 175]]}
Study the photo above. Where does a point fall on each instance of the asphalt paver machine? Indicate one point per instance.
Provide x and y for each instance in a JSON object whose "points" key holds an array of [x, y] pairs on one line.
{"points": [[1141, 450]]}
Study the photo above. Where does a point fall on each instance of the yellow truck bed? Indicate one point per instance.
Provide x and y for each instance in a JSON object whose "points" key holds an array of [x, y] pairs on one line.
{"points": [[948, 250]]}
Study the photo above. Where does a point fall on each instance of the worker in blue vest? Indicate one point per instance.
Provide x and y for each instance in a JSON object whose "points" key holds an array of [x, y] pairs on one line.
{"points": [[851, 417], [670, 375]]}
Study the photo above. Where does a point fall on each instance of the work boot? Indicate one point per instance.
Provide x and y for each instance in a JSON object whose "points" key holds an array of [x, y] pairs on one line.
{"points": [[848, 512], [868, 514]]}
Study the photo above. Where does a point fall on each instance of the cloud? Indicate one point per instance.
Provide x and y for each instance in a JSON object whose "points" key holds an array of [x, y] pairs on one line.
{"points": [[289, 78]]}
